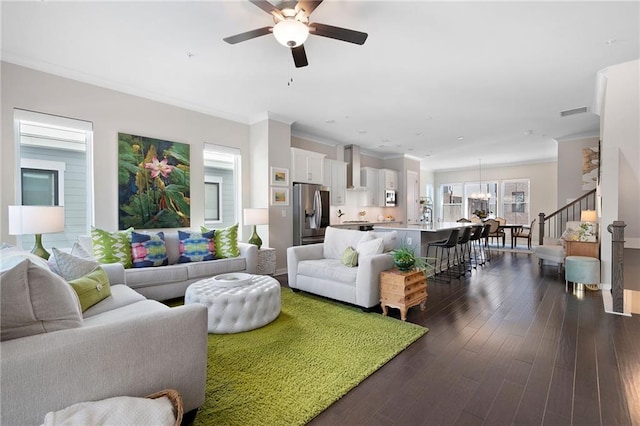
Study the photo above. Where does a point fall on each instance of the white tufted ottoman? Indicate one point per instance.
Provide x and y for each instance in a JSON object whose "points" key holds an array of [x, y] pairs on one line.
{"points": [[236, 309]]}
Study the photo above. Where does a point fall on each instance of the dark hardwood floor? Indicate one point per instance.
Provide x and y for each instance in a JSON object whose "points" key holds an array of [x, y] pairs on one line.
{"points": [[507, 345]]}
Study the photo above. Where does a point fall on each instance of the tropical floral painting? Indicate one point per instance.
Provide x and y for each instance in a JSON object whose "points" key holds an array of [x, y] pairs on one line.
{"points": [[153, 183]]}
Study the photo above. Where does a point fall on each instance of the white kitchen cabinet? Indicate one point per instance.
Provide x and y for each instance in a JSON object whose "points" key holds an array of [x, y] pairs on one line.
{"points": [[306, 166], [335, 177], [389, 178], [369, 179]]}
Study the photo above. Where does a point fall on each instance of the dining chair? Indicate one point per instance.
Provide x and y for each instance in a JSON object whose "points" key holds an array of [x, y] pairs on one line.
{"points": [[501, 234], [524, 233], [494, 232], [463, 220]]}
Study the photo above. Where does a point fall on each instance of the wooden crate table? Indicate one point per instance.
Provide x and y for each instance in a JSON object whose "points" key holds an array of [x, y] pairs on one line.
{"points": [[583, 248], [402, 290]]}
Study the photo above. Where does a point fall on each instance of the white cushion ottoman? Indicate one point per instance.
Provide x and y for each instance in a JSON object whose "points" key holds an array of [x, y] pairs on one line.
{"points": [[239, 308]]}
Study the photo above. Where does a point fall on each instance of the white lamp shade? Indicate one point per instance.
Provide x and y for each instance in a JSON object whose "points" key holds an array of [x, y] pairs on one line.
{"points": [[588, 216], [35, 219], [256, 216], [290, 33]]}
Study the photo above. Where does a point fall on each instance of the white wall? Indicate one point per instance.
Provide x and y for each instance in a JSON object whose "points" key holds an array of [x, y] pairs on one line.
{"points": [[570, 167], [110, 112], [620, 133]]}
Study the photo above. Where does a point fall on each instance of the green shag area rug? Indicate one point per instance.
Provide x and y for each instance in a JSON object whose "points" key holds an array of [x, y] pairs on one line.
{"points": [[290, 370]]}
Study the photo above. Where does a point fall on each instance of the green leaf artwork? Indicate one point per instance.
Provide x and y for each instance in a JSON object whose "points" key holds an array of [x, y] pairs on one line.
{"points": [[153, 183]]}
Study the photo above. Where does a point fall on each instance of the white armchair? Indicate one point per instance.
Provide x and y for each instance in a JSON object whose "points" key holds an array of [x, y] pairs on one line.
{"points": [[317, 268], [553, 249]]}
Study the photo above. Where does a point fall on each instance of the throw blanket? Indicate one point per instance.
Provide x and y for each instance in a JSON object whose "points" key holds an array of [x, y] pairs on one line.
{"points": [[119, 410]]}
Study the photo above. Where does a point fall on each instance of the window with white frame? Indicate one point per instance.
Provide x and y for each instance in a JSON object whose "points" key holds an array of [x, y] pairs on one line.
{"points": [[481, 199], [516, 201], [221, 185], [450, 202], [55, 169]]}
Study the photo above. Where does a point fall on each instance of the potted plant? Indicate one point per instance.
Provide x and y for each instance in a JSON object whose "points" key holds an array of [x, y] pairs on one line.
{"points": [[405, 260]]}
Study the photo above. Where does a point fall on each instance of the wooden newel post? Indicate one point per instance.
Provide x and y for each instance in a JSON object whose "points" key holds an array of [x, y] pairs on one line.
{"points": [[540, 228], [616, 229]]}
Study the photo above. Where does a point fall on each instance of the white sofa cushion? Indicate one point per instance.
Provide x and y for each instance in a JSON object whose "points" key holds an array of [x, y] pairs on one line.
{"points": [[34, 300], [328, 269], [152, 276], [336, 240], [388, 238], [121, 295], [127, 313], [369, 248], [215, 267]]}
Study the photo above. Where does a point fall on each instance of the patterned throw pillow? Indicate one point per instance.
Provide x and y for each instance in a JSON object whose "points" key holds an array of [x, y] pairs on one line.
{"points": [[196, 246], [70, 266], [148, 250], [226, 242], [112, 247]]}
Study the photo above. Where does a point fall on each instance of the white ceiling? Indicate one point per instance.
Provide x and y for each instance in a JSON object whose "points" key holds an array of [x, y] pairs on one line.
{"points": [[494, 73]]}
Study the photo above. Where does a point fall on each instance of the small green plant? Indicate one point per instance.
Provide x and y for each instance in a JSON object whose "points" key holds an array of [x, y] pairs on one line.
{"points": [[405, 259]]}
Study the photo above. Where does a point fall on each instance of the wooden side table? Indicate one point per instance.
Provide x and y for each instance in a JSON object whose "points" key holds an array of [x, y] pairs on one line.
{"points": [[402, 290], [583, 248], [266, 261]]}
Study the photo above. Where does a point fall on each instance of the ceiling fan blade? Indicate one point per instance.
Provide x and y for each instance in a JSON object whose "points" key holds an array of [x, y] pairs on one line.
{"points": [[248, 35], [338, 33], [268, 7], [299, 56], [307, 6]]}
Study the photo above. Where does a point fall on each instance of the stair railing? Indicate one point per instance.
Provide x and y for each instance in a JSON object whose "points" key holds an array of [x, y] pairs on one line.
{"points": [[553, 225]]}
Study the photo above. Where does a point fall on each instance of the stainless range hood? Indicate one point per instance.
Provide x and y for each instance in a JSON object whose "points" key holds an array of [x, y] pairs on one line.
{"points": [[352, 157]]}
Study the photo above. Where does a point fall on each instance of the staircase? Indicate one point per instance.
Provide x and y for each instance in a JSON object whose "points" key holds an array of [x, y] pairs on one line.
{"points": [[552, 226]]}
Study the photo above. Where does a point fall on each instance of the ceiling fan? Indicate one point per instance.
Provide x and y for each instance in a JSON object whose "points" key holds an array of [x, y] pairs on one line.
{"points": [[292, 28]]}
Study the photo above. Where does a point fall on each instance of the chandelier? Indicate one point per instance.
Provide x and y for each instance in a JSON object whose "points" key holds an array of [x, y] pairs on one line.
{"points": [[481, 195]]}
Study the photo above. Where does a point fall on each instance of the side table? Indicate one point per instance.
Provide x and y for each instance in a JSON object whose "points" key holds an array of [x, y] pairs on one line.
{"points": [[402, 290], [266, 261]]}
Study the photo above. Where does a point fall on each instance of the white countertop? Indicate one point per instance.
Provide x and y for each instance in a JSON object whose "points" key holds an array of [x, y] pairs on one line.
{"points": [[376, 223], [438, 226]]}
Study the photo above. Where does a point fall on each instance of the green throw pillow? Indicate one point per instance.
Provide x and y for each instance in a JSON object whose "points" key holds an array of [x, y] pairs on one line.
{"points": [[92, 288], [350, 257], [226, 241], [112, 247]]}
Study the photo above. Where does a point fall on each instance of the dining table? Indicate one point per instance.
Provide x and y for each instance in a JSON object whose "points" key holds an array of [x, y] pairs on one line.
{"points": [[513, 228]]}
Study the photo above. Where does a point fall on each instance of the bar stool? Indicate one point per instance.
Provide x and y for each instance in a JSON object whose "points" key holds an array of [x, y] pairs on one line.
{"points": [[474, 242], [448, 244], [486, 251], [463, 245]]}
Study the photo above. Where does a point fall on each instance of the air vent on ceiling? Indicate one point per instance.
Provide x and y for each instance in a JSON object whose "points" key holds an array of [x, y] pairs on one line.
{"points": [[574, 111]]}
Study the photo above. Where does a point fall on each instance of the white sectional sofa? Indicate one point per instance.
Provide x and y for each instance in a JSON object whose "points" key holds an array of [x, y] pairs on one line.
{"points": [[318, 269], [171, 281], [125, 345]]}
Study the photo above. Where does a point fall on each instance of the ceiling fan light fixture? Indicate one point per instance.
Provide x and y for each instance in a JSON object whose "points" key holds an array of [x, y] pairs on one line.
{"points": [[291, 33]]}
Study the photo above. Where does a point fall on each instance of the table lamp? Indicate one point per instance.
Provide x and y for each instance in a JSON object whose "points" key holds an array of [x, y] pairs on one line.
{"points": [[256, 217], [36, 220], [588, 216]]}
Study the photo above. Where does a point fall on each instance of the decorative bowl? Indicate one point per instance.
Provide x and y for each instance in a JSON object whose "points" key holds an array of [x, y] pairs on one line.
{"points": [[234, 279]]}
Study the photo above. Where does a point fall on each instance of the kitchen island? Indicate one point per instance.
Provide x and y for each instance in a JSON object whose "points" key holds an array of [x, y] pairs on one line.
{"points": [[422, 235]]}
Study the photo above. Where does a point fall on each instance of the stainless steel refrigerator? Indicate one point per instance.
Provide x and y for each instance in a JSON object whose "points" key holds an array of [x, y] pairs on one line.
{"points": [[310, 213]]}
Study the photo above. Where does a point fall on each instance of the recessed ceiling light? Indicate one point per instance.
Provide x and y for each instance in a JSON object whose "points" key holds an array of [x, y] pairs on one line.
{"points": [[460, 138], [384, 140], [381, 146], [528, 132], [610, 41], [347, 117], [398, 145], [410, 149], [362, 132], [418, 133], [428, 117], [330, 121]]}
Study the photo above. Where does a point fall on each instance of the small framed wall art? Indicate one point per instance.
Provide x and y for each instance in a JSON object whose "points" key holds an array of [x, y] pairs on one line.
{"points": [[279, 176], [279, 196]]}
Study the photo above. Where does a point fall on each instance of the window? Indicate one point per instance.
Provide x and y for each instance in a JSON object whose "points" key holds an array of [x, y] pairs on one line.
{"points": [[451, 204], [55, 169], [212, 199], [515, 201], [221, 185], [481, 198]]}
